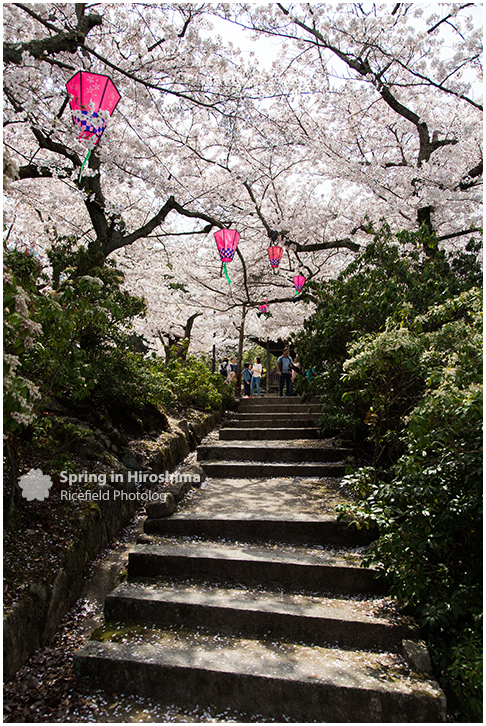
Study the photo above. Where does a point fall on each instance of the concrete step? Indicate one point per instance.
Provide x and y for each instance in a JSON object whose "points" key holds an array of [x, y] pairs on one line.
{"points": [[298, 531], [273, 400], [233, 469], [261, 614], [289, 417], [267, 423], [290, 568], [302, 408], [271, 434], [278, 682], [270, 453]]}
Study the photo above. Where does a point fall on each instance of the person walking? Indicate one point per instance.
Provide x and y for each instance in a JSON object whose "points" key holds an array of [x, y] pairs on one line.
{"points": [[256, 376], [246, 380], [224, 368], [284, 367]]}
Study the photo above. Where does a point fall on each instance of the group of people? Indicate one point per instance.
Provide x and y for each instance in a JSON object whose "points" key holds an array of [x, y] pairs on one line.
{"points": [[287, 369]]}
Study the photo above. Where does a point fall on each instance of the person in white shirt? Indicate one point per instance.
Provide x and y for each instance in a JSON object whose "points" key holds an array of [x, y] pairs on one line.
{"points": [[256, 376]]}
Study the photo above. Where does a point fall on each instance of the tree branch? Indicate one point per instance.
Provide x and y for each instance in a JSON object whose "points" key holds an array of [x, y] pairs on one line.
{"points": [[38, 171], [363, 68], [468, 181], [120, 240], [345, 243], [463, 233], [271, 233], [448, 17], [63, 41], [45, 142], [245, 275], [148, 84]]}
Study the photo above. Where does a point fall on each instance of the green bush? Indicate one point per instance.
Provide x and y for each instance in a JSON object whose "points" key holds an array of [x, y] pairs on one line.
{"points": [[81, 320], [425, 386], [394, 350], [53, 439], [196, 386], [85, 345], [389, 281], [19, 333]]}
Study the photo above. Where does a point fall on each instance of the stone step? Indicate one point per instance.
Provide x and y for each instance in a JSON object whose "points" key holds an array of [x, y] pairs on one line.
{"points": [[271, 434], [270, 453], [274, 401], [302, 408], [290, 568], [289, 417], [278, 682], [267, 423], [233, 469], [259, 614], [303, 531]]}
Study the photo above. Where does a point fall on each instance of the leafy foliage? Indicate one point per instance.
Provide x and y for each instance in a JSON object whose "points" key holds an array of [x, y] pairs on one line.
{"points": [[85, 345], [19, 331], [428, 505], [54, 439], [406, 380], [196, 385], [390, 280]]}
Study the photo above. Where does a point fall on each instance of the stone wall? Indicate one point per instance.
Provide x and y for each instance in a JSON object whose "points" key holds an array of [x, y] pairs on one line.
{"points": [[36, 616]]}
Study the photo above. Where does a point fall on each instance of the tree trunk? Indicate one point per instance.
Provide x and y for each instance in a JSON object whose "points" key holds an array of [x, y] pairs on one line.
{"points": [[424, 219], [267, 386], [240, 351]]}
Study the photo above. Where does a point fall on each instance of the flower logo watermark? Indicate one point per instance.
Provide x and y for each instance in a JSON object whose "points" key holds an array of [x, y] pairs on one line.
{"points": [[35, 485]]}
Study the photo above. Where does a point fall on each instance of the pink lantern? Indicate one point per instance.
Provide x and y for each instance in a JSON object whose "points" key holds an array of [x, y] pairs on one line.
{"points": [[299, 281], [275, 255], [227, 241], [263, 310], [93, 100]]}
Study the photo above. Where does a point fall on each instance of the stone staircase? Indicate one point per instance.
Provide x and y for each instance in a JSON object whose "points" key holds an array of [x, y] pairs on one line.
{"points": [[251, 596]]}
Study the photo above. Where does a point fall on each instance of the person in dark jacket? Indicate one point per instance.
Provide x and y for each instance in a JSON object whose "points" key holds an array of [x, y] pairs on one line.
{"points": [[284, 367], [246, 380]]}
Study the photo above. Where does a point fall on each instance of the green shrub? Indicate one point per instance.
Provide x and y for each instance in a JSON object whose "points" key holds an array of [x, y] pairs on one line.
{"points": [[394, 350], [85, 344], [425, 386], [19, 333], [53, 439], [390, 280], [196, 386]]}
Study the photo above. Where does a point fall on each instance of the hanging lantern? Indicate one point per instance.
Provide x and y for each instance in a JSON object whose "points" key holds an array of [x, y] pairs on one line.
{"points": [[227, 241], [93, 100], [275, 255], [299, 281], [263, 311]]}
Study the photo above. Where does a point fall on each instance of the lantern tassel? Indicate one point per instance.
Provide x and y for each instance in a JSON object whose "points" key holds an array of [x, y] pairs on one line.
{"points": [[226, 273], [86, 158]]}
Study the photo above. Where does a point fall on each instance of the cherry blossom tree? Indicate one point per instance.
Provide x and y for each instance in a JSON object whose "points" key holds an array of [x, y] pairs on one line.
{"points": [[391, 104], [363, 115]]}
